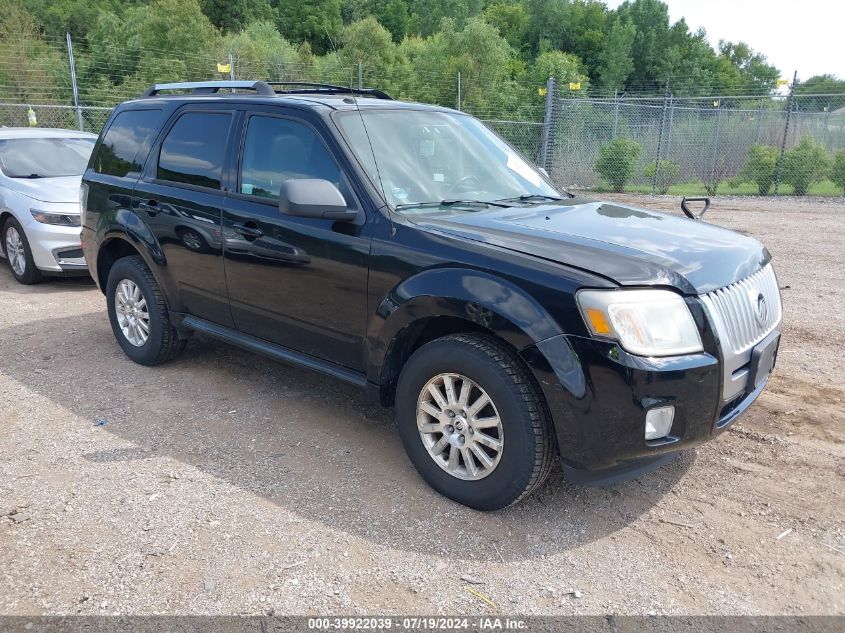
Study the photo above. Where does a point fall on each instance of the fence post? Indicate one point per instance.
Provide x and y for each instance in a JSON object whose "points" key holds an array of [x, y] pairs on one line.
{"points": [[73, 83], [360, 76], [458, 101], [785, 130], [615, 113], [231, 67], [660, 140], [716, 142], [548, 123]]}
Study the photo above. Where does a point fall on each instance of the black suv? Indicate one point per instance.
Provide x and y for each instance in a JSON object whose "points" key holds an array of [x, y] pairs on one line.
{"points": [[410, 251]]}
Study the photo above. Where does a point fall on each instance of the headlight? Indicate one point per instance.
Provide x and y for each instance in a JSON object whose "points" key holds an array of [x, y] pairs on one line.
{"points": [[59, 219], [644, 322]]}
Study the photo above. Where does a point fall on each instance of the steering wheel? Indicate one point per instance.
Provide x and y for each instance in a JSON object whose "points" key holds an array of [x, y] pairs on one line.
{"points": [[463, 181]]}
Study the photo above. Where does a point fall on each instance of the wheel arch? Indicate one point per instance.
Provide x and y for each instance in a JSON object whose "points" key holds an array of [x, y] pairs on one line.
{"points": [[444, 301]]}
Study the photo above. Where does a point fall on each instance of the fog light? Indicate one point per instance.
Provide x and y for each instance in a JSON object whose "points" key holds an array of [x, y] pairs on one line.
{"points": [[658, 422]]}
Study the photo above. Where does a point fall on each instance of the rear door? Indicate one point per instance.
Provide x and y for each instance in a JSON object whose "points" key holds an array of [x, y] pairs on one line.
{"points": [[297, 282], [181, 199]]}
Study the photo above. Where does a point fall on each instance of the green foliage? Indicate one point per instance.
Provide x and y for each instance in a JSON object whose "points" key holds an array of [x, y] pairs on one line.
{"points": [[427, 15], [314, 21], [759, 168], [837, 170], [232, 17], [804, 164], [511, 19], [260, 51], [617, 162], [667, 174], [563, 67]]}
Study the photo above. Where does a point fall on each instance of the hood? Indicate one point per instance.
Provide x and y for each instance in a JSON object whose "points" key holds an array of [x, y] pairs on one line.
{"points": [[60, 189], [628, 245]]}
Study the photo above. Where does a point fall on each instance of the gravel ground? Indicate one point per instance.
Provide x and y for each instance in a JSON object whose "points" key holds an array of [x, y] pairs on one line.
{"points": [[223, 483]]}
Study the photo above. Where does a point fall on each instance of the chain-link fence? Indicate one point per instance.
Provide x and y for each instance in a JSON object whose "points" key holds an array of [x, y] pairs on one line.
{"points": [[782, 144], [707, 145]]}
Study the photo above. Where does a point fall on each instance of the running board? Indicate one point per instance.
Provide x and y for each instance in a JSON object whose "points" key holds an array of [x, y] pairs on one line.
{"points": [[271, 350]]}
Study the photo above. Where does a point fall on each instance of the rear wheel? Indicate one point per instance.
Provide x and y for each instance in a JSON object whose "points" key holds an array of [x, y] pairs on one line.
{"points": [[19, 254], [473, 422], [138, 313]]}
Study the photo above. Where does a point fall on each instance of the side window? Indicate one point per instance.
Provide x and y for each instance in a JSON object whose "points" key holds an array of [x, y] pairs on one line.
{"points": [[277, 150], [127, 142], [194, 149]]}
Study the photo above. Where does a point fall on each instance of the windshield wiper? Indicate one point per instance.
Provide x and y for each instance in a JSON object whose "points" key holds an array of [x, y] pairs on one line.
{"points": [[454, 203], [526, 197]]}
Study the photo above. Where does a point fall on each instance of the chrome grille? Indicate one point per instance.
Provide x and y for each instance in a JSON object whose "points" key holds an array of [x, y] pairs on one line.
{"points": [[735, 310], [735, 315]]}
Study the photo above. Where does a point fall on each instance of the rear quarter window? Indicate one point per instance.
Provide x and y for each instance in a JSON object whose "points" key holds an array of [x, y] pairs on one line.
{"points": [[127, 142]]}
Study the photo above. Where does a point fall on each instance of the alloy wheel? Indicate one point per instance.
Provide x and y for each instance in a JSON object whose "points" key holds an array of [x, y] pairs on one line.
{"points": [[460, 426], [15, 251], [133, 316]]}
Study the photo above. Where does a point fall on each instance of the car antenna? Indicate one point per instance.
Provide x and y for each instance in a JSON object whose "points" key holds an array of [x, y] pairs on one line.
{"points": [[354, 98]]}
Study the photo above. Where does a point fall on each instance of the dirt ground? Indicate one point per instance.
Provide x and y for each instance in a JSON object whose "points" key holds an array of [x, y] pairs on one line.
{"points": [[224, 483]]}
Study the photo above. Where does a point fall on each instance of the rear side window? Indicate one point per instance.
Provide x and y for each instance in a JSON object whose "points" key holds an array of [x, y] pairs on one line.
{"points": [[194, 149], [127, 142]]}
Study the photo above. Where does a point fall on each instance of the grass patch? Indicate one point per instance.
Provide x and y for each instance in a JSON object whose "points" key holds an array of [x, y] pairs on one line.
{"points": [[824, 188]]}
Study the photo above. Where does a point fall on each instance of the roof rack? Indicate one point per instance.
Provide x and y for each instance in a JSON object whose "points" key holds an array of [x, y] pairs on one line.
{"points": [[311, 88], [211, 87]]}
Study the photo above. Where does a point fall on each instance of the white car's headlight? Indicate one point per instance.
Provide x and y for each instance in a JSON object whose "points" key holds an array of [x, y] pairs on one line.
{"points": [[644, 322], [57, 219]]}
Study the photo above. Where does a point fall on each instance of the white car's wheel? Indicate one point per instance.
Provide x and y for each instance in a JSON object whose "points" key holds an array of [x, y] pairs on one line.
{"points": [[18, 253]]}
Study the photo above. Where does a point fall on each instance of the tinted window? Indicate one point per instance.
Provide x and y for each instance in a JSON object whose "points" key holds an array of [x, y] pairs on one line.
{"points": [[277, 150], [194, 149], [45, 157], [127, 142]]}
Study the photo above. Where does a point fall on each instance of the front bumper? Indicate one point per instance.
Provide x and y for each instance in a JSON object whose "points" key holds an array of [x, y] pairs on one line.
{"points": [[55, 248], [598, 396]]}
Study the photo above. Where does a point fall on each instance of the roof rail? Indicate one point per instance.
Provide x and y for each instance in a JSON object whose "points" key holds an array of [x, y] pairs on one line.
{"points": [[310, 88], [211, 87]]}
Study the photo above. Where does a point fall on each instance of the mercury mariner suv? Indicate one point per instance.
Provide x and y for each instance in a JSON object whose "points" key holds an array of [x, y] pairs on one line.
{"points": [[408, 250]]}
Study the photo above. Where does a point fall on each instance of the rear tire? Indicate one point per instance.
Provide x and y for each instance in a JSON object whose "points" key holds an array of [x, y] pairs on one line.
{"points": [[18, 253], [138, 313], [516, 420]]}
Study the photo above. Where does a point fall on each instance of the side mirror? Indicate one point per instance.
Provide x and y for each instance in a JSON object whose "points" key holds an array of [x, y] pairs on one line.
{"points": [[314, 198]]}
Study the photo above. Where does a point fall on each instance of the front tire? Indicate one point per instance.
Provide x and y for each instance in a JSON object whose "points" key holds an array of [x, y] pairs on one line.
{"points": [[473, 421], [138, 313], [19, 254]]}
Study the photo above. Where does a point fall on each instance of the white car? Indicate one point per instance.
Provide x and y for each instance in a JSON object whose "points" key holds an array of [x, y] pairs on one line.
{"points": [[40, 173]]}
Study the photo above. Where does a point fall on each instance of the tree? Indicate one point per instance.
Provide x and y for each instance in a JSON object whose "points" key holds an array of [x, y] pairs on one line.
{"points": [[232, 16], [759, 168], [614, 62], [511, 19], [837, 171], [76, 17], [617, 162], [368, 42], [260, 52], [804, 164], [650, 19], [755, 74], [821, 84], [427, 15], [315, 21], [564, 67]]}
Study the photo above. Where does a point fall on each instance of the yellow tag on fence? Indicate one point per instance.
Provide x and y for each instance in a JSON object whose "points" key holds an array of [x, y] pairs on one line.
{"points": [[782, 82], [575, 85], [224, 68]]}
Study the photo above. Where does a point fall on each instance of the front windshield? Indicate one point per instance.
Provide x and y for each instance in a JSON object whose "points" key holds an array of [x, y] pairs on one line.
{"points": [[44, 157], [427, 157]]}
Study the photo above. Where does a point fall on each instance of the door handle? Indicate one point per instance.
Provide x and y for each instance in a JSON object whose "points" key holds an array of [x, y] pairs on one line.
{"points": [[150, 206], [249, 230]]}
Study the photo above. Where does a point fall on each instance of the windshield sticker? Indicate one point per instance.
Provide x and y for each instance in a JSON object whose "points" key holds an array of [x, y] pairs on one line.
{"points": [[427, 148], [399, 193], [439, 178], [516, 164], [247, 188]]}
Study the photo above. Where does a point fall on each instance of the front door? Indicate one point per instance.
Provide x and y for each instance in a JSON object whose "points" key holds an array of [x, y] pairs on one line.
{"points": [[297, 282]]}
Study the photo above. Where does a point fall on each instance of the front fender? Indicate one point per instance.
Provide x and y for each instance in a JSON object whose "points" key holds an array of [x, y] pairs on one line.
{"points": [[491, 302]]}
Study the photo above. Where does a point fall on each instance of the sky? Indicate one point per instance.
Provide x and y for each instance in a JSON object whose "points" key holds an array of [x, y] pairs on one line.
{"points": [[802, 35]]}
